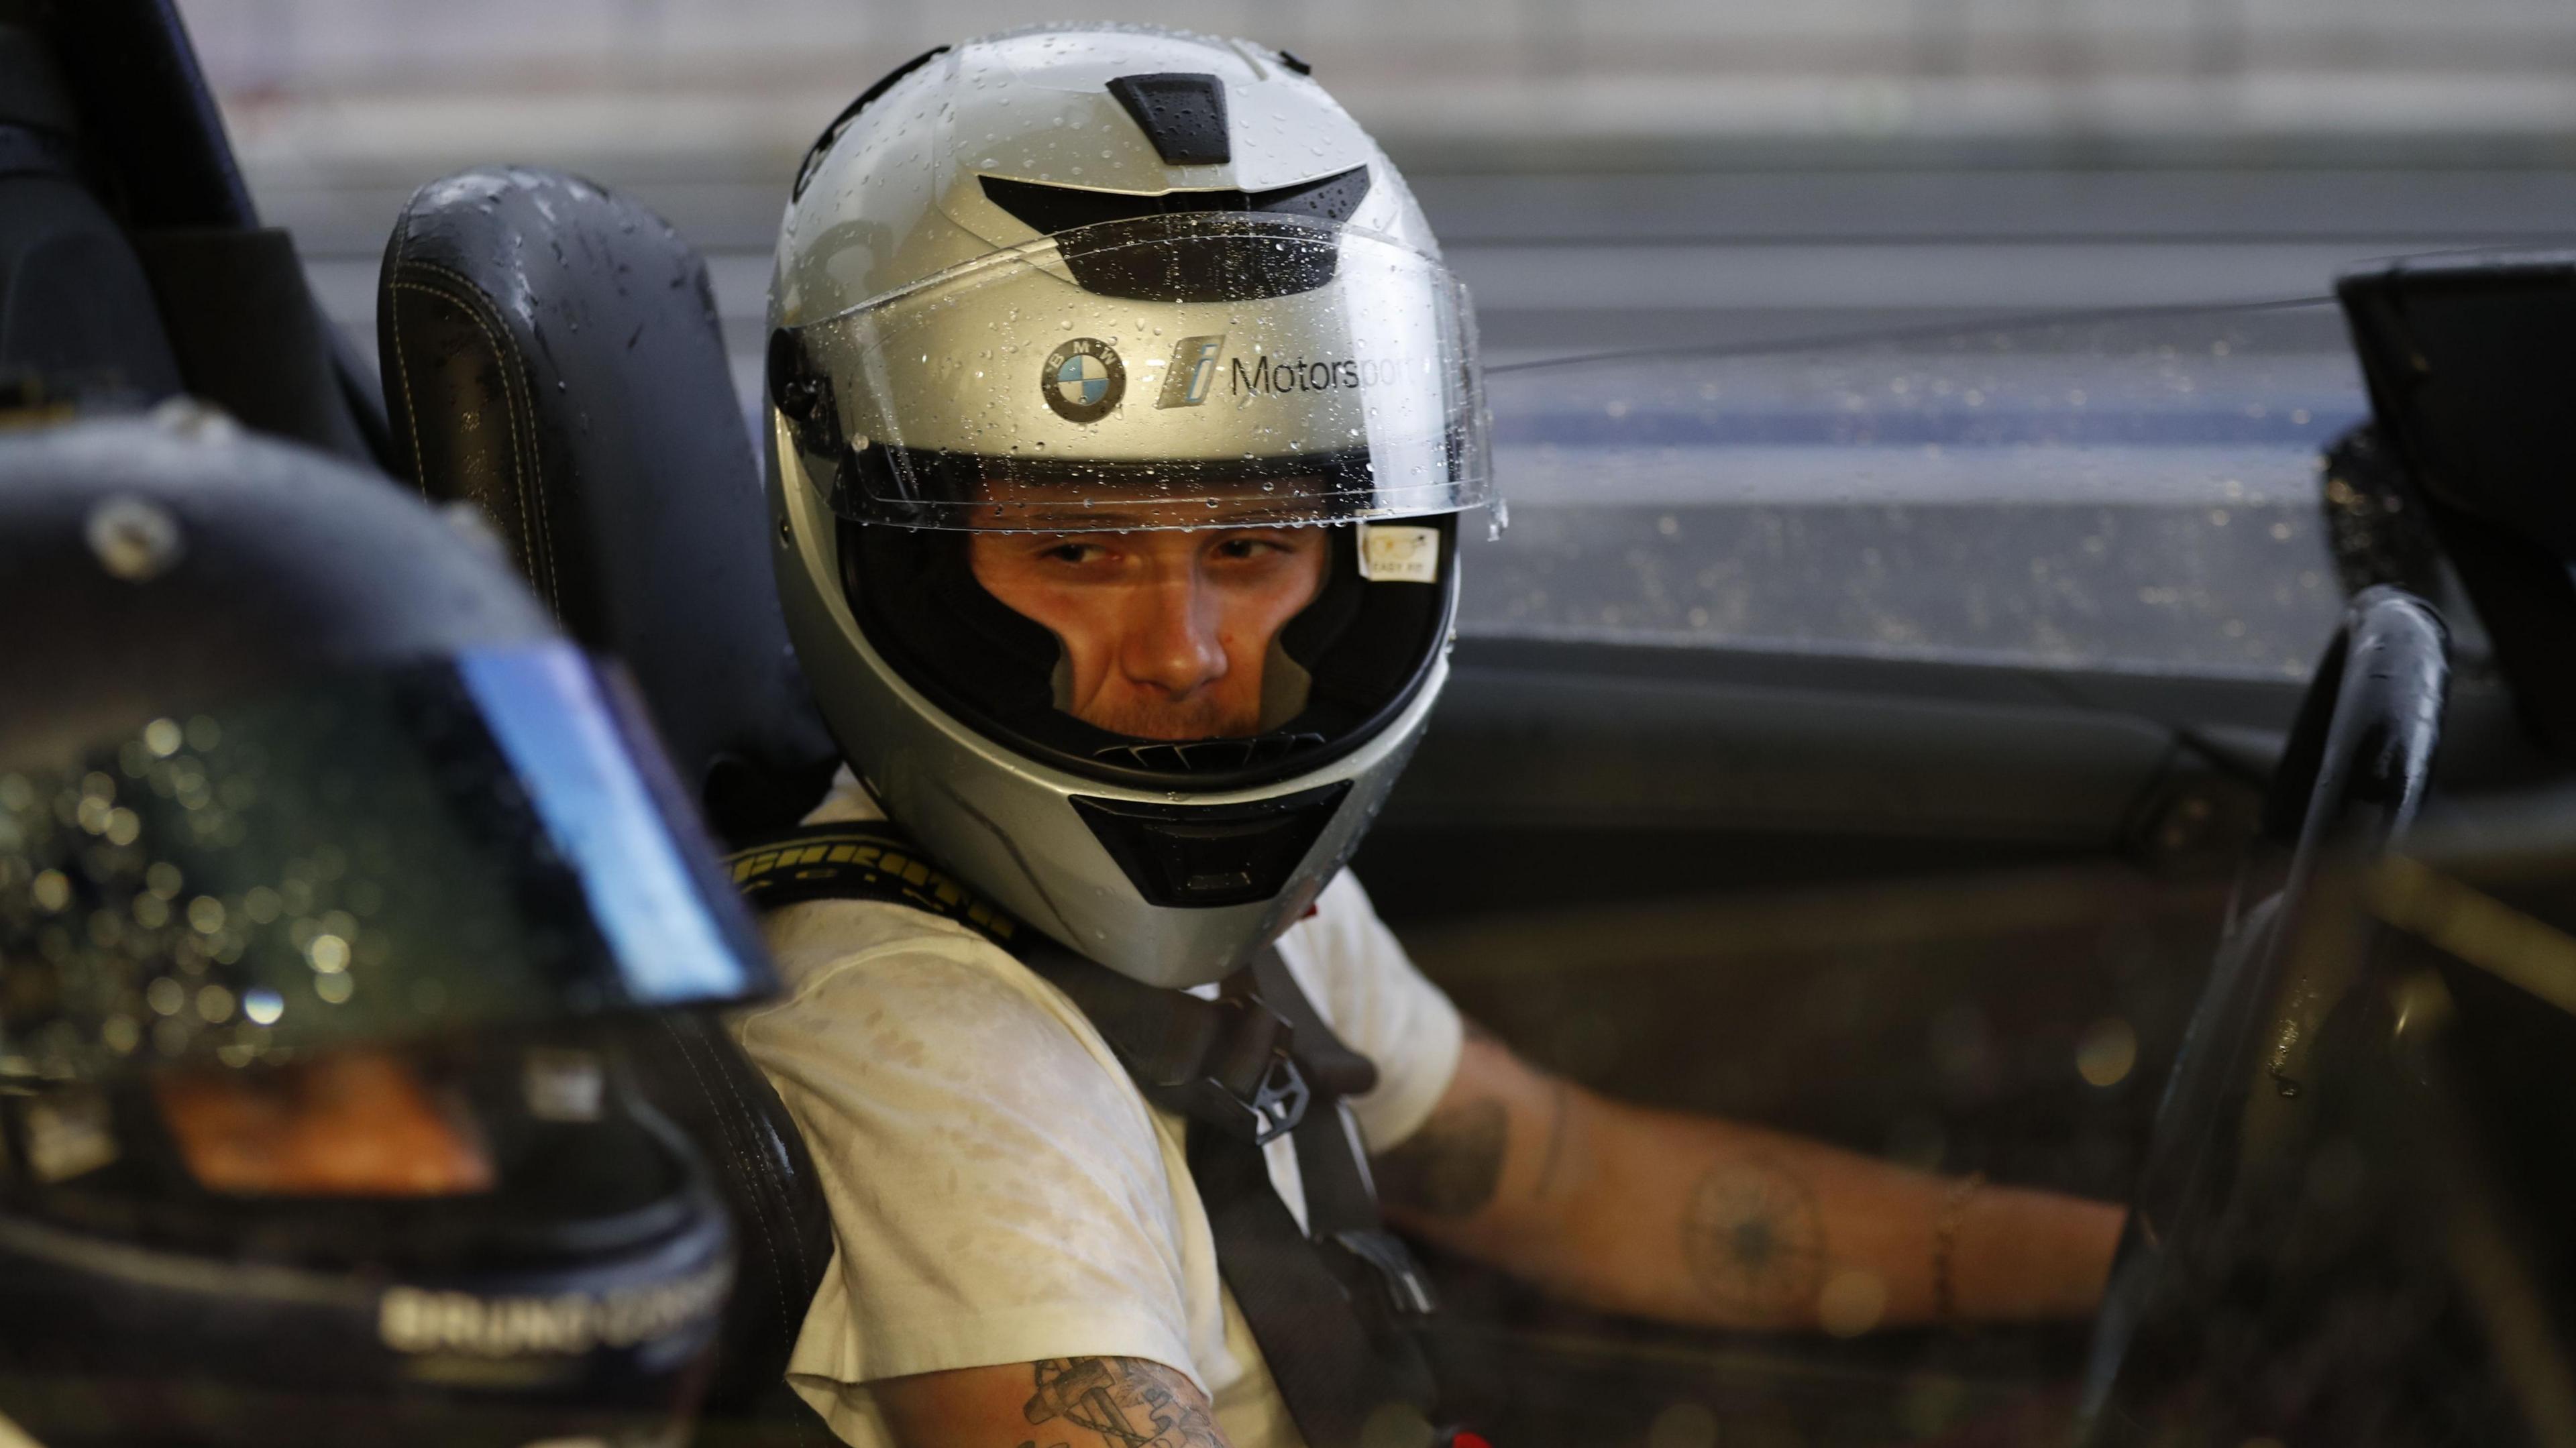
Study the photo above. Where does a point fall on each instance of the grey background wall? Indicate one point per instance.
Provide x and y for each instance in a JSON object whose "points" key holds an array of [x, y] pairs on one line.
{"points": [[1606, 173]]}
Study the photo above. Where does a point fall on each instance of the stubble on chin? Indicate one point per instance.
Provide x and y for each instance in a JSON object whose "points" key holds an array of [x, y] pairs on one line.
{"points": [[1174, 719]]}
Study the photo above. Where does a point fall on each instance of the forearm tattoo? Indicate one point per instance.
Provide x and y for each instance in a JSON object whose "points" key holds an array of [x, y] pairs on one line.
{"points": [[1755, 1242], [1118, 1403], [1450, 1167]]}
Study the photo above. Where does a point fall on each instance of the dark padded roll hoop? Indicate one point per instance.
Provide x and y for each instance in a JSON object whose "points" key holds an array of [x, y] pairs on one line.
{"points": [[551, 354]]}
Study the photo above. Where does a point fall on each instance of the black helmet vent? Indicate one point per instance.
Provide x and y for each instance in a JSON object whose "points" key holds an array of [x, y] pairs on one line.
{"points": [[1182, 113], [1209, 756]]}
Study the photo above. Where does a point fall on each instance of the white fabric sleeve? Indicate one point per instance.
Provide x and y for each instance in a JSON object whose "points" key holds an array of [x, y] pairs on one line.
{"points": [[996, 1196], [1381, 1005]]}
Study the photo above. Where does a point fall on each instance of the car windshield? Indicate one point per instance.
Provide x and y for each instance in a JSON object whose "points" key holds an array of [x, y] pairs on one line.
{"points": [[2132, 492]]}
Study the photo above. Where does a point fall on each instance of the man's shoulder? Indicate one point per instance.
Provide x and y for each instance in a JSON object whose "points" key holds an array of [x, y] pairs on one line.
{"points": [[879, 977], [1341, 934], [814, 938]]}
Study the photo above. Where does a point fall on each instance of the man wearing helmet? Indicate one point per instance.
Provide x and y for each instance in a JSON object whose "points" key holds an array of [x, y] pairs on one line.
{"points": [[1121, 418], [321, 851]]}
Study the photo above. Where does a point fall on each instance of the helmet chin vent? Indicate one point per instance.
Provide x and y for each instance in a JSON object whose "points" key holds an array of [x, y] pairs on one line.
{"points": [[1208, 756], [1204, 856]]}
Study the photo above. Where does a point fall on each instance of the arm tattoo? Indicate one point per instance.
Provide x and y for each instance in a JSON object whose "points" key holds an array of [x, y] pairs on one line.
{"points": [[1122, 1403], [1755, 1241], [1450, 1167]]}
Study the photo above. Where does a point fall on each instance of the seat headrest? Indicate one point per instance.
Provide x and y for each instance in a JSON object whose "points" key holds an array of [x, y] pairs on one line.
{"points": [[551, 353]]}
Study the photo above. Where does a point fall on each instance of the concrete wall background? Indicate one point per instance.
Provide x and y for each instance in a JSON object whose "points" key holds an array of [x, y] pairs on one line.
{"points": [[1617, 172], [335, 83], [1636, 173]]}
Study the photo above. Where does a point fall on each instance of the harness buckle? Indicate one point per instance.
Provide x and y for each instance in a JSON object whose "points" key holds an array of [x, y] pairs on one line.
{"points": [[1397, 1270], [1280, 1101], [1269, 1109], [1249, 1086]]}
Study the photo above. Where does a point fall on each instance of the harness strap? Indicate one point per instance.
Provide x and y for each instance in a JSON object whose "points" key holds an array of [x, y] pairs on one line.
{"points": [[1231, 1061], [1330, 1306], [1348, 1371]]}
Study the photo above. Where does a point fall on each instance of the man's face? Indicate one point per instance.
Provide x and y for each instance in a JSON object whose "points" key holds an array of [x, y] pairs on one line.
{"points": [[353, 1122], [1165, 634]]}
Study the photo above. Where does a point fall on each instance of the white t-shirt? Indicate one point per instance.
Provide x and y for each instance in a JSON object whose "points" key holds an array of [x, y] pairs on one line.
{"points": [[1000, 1191]]}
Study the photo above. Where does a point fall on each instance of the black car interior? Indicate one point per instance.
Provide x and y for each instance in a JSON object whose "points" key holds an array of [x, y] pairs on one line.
{"points": [[1878, 900]]}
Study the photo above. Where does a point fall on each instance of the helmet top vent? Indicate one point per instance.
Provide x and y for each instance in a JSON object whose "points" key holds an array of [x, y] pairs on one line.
{"points": [[1182, 113]]}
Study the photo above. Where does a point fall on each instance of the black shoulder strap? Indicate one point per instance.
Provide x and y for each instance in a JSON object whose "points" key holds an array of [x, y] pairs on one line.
{"points": [[1331, 1306], [1227, 1060]]}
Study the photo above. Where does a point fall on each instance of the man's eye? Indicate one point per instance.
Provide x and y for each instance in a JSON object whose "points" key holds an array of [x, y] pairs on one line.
{"points": [[1249, 547], [1072, 552]]}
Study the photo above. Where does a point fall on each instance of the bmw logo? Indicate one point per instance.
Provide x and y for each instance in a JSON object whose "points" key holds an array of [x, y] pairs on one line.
{"points": [[1084, 380]]}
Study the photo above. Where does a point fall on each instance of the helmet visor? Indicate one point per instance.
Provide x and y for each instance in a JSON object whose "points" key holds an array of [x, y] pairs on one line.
{"points": [[455, 844], [1183, 371]]}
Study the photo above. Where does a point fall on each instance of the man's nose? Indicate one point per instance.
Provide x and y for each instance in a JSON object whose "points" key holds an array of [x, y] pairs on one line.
{"points": [[1172, 640]]}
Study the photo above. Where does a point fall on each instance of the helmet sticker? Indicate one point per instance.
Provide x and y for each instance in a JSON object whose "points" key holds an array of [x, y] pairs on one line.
{"points": [[1084, 379], [1393, 554], [1193, 368]]}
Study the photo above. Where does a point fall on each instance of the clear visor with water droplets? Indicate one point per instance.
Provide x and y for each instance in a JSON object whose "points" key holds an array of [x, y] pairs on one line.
{"points": [[445, 846], [1181, 371]]}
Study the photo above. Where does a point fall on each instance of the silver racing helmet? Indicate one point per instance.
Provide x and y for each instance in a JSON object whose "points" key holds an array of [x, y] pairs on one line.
{"points": [[1107, 279]]}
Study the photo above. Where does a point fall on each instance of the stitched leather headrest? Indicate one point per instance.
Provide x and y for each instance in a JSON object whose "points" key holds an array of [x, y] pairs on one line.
{"points": [[552, 354]]}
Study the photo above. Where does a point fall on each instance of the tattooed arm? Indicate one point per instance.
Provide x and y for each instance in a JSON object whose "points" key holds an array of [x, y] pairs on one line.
{"points": [[1701, 1221], [1098, 1402]]}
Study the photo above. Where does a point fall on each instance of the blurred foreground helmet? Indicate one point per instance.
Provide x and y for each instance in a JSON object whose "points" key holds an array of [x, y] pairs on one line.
{"points": [[1107, 279], [316, 844]]}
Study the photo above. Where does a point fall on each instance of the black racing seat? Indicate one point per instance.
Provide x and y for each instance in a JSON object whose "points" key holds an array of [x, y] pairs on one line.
{"points": [[132, 265], [551, 355], [76, 311]]}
